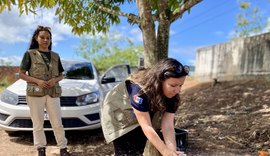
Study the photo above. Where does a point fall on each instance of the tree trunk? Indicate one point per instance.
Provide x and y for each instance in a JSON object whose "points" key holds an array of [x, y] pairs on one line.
{"points": [[155, 46], [163, 30], [148, 32]]}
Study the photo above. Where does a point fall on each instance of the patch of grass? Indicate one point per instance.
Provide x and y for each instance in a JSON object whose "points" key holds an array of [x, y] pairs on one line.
{"points": [[1, 89]]}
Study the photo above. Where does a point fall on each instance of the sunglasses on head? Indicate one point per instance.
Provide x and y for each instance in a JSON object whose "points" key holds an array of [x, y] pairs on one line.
{"points": [[43, 28], [179, 71]]}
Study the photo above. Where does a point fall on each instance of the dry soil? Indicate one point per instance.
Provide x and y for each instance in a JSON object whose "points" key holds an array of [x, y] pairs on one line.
{"points": [[226, 119]]}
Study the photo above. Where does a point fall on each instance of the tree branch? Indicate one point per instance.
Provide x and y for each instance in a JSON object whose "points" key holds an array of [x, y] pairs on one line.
{"points": [[187, 5], [131, 17]]}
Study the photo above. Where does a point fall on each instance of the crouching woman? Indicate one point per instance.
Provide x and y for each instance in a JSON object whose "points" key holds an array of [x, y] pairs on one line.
{"points": [[135, 109]]}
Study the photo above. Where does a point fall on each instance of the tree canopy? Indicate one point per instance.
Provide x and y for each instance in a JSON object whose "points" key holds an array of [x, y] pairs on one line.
{"points": [[249, 20], [153, 18]]}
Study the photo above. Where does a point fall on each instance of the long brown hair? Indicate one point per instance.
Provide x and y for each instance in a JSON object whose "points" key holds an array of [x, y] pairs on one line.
{"points": [[34, 43], [151, 82]]}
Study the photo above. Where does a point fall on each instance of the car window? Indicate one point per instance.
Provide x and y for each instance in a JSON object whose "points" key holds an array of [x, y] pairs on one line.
{"points": [[120, 73], [80, 71]]}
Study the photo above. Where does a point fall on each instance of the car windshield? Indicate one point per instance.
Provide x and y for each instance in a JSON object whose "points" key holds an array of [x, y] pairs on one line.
{"points": [[78, 70]]}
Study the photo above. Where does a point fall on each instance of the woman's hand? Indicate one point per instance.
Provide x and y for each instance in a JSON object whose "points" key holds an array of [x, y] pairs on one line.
{"points": [[43, 84], [169, 152], [52, 82]]}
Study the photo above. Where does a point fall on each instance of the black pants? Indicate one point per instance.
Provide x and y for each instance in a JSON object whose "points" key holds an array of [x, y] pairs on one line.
{"points": [[130, 144]]}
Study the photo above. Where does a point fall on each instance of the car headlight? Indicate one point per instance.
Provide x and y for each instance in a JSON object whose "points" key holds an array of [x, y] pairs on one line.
{"points": [[88, 99], [9, 97]]}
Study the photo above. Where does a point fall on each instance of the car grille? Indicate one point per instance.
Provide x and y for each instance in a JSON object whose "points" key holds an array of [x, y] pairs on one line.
{"points": [[65, 101], [68, 101], [67, 123], [22, 100]]}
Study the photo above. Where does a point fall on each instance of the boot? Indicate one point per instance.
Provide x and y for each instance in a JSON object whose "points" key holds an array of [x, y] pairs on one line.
{"points": [[64, 152], [42, 151]]}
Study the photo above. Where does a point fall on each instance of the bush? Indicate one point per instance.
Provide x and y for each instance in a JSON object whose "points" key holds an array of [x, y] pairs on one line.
{"points": [[4, 83]]}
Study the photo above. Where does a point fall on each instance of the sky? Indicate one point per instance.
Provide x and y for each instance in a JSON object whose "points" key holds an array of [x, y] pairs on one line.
{"points": [[209, 22]]}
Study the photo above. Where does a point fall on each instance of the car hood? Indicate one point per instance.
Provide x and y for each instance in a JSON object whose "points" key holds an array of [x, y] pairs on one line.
{"points": [[69, 87], [78, 87]]}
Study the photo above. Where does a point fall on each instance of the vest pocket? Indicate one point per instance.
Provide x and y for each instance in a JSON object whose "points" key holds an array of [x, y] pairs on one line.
{"points": [[56, 91], [125, 118], [34, 90]]}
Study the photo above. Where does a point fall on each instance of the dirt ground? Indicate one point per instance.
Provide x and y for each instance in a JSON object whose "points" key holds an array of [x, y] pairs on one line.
{"points": [[226, 119]]}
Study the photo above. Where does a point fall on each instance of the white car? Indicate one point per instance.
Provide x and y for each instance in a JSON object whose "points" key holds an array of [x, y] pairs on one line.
{"points": [[83, 91]]}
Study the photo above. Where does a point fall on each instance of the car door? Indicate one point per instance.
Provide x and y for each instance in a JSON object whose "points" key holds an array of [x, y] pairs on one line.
{"points": [[113, 76]]}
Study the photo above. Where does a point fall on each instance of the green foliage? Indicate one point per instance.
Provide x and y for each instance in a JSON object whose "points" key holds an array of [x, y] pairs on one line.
{"points": [[86, 16], [82, 15], [175, 5], [109, 49], [4, 83], [25, 6], [249, 20], [97, 16]]}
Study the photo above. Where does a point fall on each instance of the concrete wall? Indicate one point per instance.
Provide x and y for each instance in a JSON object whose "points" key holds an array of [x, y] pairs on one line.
{"points": [[238, 59]]}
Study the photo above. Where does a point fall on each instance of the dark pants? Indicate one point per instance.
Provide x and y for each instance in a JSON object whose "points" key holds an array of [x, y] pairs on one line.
{"points": [[130, 144]]}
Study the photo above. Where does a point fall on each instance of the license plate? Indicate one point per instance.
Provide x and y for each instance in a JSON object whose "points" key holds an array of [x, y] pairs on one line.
{"points": [[46, 116]]}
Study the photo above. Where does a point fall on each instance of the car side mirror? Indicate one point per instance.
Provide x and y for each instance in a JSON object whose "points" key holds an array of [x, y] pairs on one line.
{"points": [[107, 80]]}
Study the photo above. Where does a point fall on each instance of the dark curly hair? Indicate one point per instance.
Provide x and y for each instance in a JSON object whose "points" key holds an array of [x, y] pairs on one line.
{"points": [[151, 82], [34, 43]]}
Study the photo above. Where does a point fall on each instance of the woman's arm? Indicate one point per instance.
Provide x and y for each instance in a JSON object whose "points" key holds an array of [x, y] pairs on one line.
{"points": [[145, 122], [27, 78], [167, 128], [53, 81]]}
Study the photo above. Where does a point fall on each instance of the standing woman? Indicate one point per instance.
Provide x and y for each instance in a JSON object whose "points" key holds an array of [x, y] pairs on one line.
{"points": [[135, 109], [41, 68]]}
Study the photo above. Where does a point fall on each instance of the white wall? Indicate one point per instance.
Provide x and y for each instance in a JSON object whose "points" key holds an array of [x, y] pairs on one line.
{"points": [[240, 58]]}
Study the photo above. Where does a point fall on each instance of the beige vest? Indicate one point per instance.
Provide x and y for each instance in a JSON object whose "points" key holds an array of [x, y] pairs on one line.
{"points": [[39, 70], [117, 116]]}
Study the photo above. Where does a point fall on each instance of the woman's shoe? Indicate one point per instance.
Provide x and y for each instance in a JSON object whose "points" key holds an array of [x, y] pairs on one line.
{"points": [[64, 152], [42, 151]]}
